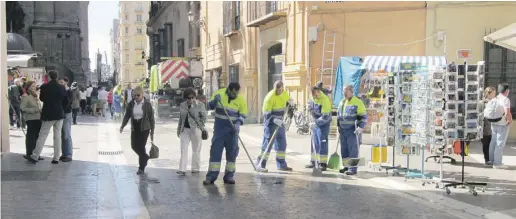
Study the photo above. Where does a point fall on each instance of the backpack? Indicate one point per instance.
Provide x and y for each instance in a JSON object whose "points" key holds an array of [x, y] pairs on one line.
{"points": [[493, 112]]}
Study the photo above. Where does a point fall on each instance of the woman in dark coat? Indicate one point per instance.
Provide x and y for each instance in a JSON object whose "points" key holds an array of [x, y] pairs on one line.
{"points": [[141, 114]]}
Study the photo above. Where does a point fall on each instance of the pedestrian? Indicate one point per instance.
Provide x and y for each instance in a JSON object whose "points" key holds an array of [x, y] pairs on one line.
{"points": [[275, 106], [76, 99], [351, 119], [117, 101], [110, 102], [141, 114], [225, 131], [128, 95], [192, 117], [83, 103], [88, 99], [53, 95], [489, 94], [102, 97], [66, 131], [500, 128], [31, 109], [320, 106], [15, 92]]}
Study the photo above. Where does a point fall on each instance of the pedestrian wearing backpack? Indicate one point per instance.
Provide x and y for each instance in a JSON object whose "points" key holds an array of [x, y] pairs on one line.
{"points": [[489, 94], [498, 112]]}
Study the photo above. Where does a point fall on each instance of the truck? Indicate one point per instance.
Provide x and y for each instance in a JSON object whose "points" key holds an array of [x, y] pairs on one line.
{"points": [[171, 78]]}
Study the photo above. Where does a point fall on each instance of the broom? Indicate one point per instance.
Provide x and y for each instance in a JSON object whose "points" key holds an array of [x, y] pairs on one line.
{"points": [[334, 162]]}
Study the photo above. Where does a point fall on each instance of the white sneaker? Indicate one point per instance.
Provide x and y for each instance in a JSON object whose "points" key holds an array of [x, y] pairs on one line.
{"points": [[503, 167]]}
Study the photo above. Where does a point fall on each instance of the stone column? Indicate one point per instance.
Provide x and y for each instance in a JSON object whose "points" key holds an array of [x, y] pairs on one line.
{"points": [[4, 109]]}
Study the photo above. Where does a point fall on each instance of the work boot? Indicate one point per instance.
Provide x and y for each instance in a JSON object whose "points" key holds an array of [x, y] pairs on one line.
{"points": [[207, 182], [350, 173], [285, 169], [310, 166], [229, 181], [343, 170], [54, 162], [323, 166]]}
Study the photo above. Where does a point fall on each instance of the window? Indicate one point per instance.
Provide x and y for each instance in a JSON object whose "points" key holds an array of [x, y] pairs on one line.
{"points": [[139, 18], [231, 22], [126, 45], [139, 7], [126, 58], [233, 73], [138, 45], [138, 30], [126, 29], [181, 47], [170, 39], [126, 17]]}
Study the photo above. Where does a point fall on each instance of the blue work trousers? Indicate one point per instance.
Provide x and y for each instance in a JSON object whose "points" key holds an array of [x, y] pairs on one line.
{"points": [[66, 136], [349, 142], [279, 144], [229, 141], [320, 142]]}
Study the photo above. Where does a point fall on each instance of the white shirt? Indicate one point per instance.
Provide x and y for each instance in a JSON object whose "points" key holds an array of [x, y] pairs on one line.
{"points": [[83, 95], [138, 110], [505, 103], [103, 95], [88, 91], [129, 95]]}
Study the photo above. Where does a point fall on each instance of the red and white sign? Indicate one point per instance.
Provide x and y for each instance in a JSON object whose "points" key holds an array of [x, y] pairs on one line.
{"points": [[463, 53], [173, 69]]}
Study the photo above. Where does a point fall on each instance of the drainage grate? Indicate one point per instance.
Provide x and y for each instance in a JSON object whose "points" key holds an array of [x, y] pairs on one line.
{"points": [[110, 152], [25, 175]]}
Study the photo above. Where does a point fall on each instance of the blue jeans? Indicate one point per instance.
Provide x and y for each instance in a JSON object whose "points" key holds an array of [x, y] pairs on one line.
{"points": [[66, 136], [497, 144]]}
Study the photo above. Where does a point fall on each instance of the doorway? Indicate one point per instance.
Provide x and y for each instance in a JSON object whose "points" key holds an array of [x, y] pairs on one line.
{"points": [[274, 69]]}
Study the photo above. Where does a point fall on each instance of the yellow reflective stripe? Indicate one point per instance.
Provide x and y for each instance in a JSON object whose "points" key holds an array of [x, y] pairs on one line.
{"points": [[214, 166], [281, 155], [315, 156], [345, 161], [264, 155], [323, 159], [225, 117], [230, 167]]}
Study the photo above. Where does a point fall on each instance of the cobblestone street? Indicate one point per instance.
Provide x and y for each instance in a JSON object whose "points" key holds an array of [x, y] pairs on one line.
{"points": [[101, 183]]}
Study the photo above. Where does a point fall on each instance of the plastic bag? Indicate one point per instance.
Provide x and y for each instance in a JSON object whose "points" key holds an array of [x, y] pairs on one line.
{"points": [[154, 151]]}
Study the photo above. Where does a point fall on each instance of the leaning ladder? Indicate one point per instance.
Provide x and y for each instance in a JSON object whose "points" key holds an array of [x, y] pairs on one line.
{"points": [[328, 59]]}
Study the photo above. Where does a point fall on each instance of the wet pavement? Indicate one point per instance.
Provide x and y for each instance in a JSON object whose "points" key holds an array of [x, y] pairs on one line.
{"points": [[101, 183]]}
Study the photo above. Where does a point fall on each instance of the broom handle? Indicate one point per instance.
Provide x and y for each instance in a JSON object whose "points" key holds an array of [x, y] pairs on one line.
{"points": [[338, 143]]}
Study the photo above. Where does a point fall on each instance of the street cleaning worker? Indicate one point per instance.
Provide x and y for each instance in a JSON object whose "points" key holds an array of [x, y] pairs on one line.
{"points": [[274, 107], [224, 135], [320, 106], [351, 111]]}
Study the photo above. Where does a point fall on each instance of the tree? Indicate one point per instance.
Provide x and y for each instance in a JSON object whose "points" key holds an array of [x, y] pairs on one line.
{"points": [[15, 16]]}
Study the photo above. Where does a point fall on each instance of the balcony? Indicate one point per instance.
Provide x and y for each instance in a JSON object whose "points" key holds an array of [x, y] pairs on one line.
{"points": [[232, 20], [260, 13]]}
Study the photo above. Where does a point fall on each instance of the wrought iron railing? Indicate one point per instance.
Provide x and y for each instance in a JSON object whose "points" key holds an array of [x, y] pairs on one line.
{"points": [[259, 9], [232, 21]]}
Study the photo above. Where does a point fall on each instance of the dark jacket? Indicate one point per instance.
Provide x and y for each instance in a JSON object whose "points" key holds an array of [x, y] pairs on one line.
{"points": [[14, 93], [148, 116], [76, 98], [67, 102], [53, 96]]}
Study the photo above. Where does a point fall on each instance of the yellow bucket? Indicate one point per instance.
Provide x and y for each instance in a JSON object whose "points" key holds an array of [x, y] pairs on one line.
{"points": [[375, 153]]}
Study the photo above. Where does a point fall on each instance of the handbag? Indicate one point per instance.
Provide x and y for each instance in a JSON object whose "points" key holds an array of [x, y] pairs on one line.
{"points": [[204, 133], [154, 151]]}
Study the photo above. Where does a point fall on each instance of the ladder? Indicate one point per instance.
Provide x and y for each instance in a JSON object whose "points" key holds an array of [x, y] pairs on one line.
{"points": [[328, 59]]}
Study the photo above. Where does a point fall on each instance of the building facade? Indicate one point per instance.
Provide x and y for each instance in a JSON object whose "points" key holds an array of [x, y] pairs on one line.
{"points": [[59, 31], [133, 15], [115, 50]]}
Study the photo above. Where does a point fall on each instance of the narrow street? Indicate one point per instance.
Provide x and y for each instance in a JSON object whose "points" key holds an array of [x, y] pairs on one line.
{"points": [[101, 183]]}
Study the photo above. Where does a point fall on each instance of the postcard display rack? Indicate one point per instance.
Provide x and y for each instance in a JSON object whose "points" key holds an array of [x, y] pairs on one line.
{"points": [[412, 107], [463, 117]]}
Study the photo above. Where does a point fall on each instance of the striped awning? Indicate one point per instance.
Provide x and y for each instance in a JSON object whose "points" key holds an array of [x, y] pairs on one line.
{"points": [[392, 63]]}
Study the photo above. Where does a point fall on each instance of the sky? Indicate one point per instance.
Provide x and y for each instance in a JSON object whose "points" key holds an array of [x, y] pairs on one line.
{"points": [[100, 22]]}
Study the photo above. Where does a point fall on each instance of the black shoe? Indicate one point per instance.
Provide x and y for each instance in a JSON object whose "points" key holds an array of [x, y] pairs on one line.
{"points": [[181, 173], [207, 182], [350, 173], [344, 170], [195, 171], [323, 167], [310, 166], [54, 162], [140, 172], [32, 161], [61, 158], [286, 169], [229, 181], [66, 159]]}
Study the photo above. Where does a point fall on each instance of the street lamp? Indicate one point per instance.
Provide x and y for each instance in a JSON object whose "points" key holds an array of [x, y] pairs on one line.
{"points": [[198, 23], [63, 37]]}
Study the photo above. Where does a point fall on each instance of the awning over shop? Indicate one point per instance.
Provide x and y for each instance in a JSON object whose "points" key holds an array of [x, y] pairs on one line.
{"points": [[391, 63], [20, 60], [505, 37]]}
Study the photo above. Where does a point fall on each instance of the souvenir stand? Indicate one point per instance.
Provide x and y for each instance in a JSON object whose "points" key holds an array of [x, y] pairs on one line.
{"points": [[463, 118], [413, 106]]}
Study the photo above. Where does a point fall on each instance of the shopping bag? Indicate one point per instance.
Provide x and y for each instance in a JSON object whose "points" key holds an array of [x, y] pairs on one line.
{"points": [[154, 151]]}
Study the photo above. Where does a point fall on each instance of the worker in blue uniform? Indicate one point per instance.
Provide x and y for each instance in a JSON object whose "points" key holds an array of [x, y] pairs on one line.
{"points": [[320, 108], [351, 119], [225, 135], [274, 107]]}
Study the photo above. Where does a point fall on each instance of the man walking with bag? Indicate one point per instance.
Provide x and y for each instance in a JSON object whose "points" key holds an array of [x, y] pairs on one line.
{"points": [[498, 112]]}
